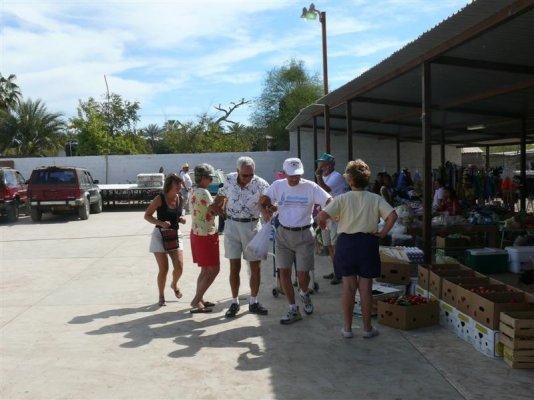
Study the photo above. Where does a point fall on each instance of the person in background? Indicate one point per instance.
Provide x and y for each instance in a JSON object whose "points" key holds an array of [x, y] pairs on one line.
{"points": [[450, 203], [168, 207], [294, 239], [161, 170], [359, 212], [204, 237], [333, 183], [385, 190], [187, 186], [438, 193], [241, 194], [379, 181]]}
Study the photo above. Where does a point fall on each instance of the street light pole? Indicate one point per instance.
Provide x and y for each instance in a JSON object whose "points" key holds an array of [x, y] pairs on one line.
{"points": [[312, 13]]}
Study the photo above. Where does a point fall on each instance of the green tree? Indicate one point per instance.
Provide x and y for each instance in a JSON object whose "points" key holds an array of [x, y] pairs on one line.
{"points": [[152, 134], [30, 130], [10, 94], [286, 91], [108, 127]]}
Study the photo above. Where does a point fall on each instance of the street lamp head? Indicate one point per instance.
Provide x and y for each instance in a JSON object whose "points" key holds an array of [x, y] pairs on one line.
{"points": [[309, 13]]}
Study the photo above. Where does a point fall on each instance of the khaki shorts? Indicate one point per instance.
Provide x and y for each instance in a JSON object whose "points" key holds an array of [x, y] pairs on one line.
{"points": [[156, 242], [329, 235], [236, 237], [291, 246]]}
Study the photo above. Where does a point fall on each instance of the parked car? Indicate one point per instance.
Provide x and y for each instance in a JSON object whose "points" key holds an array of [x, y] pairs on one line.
{"points": [[13, 194], [55, 189]]}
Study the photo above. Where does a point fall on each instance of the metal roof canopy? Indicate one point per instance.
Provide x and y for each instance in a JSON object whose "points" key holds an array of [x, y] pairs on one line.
{"points": [[476, 68]]}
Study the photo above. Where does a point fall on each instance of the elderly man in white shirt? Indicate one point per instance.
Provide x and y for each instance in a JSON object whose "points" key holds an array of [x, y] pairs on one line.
{"points": [[240, 195], [334, 183], [294, 198]]}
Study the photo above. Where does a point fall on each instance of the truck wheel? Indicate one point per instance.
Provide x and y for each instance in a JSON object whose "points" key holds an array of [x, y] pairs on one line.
{"points": [[13, 212], [83, 210], [36, 214], [97, 207]]}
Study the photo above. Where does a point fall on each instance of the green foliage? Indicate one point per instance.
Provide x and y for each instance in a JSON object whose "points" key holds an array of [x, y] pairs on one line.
{"points": [[286, 91], [10, 94], [108, 127], [30, 130]]}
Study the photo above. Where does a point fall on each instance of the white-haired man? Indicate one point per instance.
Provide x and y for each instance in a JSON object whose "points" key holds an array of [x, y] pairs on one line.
{"points": [[186, 185], [240, 195]]}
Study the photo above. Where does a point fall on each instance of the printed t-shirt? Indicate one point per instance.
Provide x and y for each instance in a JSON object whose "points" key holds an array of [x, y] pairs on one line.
{"points": [[243, 202], [202, 221], [360, 211], [295, 203]]}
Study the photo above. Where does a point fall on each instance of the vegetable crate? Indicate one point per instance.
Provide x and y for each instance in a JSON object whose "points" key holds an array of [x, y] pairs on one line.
{"points": [[408, 312], [517, 337]]}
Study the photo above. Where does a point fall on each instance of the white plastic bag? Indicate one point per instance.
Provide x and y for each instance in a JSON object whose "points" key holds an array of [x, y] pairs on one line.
{"points": [[258, 247]]}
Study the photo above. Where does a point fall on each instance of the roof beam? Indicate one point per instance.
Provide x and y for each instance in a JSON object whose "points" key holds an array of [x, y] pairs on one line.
{"points": [[482, 64]]}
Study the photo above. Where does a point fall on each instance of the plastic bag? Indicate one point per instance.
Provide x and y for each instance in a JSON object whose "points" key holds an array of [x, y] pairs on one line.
{"points": [[258, 247]]}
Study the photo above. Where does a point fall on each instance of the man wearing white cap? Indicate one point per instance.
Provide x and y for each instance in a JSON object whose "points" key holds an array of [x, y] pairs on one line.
{"points": [[187, 185], [294, 198]]}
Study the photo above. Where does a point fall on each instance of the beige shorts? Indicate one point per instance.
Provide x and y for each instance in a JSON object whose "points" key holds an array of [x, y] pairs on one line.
{"points": [[156, 242], [236, 237], [329, 235], [295, 246]]}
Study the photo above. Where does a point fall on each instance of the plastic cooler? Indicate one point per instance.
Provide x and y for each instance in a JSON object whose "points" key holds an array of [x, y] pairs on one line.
{"points": [[487, 260], [520, 258]]}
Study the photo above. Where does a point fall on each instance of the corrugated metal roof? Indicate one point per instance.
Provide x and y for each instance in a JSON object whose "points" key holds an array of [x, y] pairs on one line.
{"points": [[482, 74]]}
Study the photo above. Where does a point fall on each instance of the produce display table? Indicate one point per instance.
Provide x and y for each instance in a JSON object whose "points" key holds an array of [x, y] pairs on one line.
{"points": [[491, 231]]}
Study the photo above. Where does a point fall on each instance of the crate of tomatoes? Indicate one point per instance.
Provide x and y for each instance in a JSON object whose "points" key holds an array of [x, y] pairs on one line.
{"points": [[408, 312]]}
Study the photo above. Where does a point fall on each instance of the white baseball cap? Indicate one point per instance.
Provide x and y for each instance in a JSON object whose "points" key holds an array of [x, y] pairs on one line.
{"points": [[293, 166]]}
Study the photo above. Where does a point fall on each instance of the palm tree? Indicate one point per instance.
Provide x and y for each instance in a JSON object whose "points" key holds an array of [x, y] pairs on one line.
{"points": [[32, 130], [152, 134], [9, 92]]}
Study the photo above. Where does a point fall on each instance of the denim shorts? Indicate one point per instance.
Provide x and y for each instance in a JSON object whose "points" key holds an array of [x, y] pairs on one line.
{"points": [[357, 254]]}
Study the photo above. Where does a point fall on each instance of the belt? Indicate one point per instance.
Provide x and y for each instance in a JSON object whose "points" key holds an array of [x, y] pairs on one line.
{"points": [[299, 228], [242, 219]]}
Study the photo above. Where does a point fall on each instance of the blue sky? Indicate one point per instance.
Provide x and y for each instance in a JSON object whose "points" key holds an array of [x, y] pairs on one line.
{"points": [[181, 58]]}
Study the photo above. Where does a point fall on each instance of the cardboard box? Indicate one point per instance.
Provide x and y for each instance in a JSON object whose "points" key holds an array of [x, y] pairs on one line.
{"points": [[396, 273], [452, 242], [408, 317], [464, 327], [465, 298], [420, 291], [447, 316], [435, 280], [423, 272], [488, 307], [380, 292], [486, 341], [450, 284]]}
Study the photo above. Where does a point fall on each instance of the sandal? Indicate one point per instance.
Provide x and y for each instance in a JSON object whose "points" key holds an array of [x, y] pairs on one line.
{"points": [[161, 301], [208, 304], [200, 310], [177, 292]]}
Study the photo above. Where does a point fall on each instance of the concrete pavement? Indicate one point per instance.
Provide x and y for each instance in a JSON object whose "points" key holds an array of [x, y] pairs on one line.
{"points": [[79, 320]]}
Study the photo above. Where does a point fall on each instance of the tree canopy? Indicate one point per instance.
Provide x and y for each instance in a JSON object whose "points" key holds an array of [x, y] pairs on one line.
{"points": [[286, 91]]}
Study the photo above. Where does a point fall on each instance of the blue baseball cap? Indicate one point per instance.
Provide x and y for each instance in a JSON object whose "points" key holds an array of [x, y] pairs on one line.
{"points": [[327, 157]]}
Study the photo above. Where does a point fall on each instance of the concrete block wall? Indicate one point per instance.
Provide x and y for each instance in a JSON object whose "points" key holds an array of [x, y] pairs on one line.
{"points": [[379, 154], [124, 168]]}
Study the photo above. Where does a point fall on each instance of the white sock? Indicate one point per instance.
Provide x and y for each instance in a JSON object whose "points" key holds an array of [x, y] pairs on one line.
{"points": [[235, 301], [252, 300]]}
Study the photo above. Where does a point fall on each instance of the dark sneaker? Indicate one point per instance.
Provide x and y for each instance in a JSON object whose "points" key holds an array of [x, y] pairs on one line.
{"points": [[232, 311], [257, 308], [335, 281], [306, 299], [329, 276], [290, 317]]}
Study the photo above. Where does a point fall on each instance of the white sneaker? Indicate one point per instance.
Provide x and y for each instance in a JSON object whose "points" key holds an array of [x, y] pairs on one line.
{"points": [[370, 334], [306, 299], [290, 317], [346, 334]]}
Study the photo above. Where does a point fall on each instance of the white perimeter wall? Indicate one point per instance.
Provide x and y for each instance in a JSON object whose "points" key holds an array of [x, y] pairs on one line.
{"points": [[379, 154], [124, 169]]}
